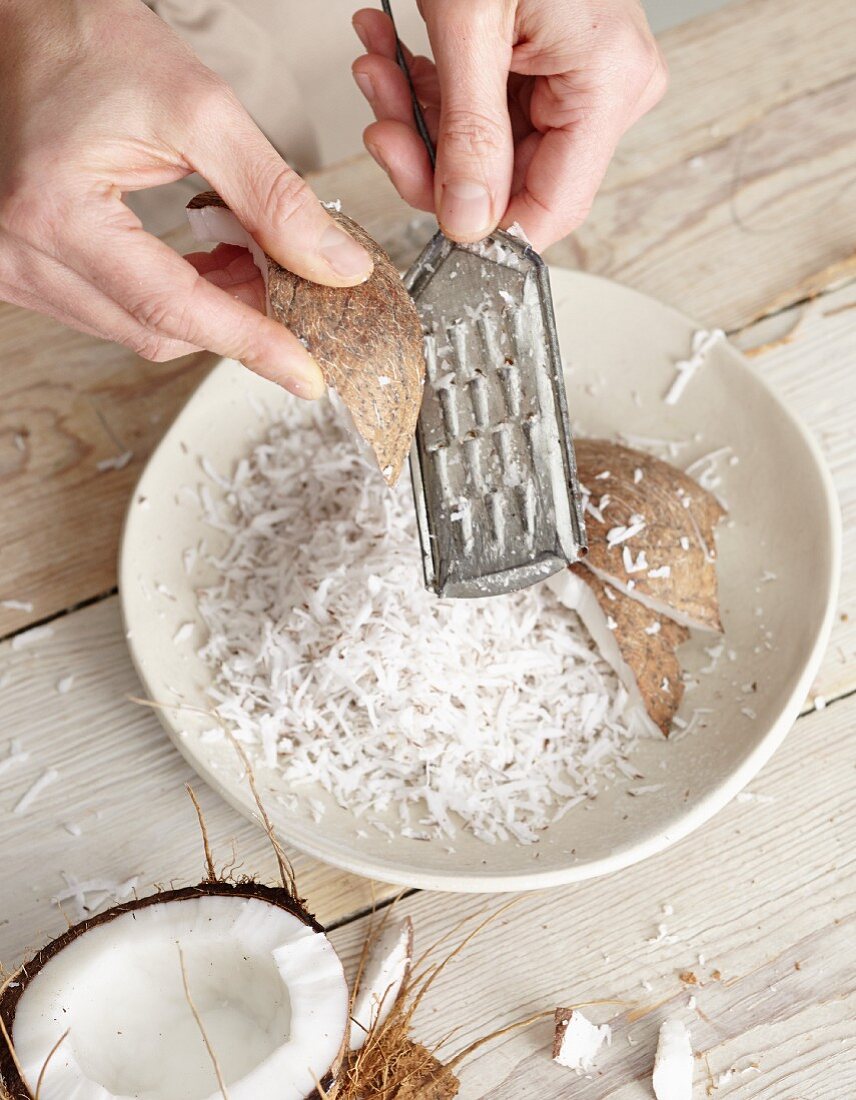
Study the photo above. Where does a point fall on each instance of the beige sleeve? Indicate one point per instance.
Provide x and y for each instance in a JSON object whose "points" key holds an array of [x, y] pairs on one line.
{"points": [[246, 43], [290, 63]]}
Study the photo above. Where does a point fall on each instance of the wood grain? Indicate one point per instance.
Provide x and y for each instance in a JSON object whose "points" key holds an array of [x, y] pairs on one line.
{"points": [[68, 402], [734, 197], [121, 782], [768, 905]]}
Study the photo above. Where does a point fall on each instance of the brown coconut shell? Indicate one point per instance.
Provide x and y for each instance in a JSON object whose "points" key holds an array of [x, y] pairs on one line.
{"points": [[561, 1019], [652, 658], [12, 1087], [690, 590], [367, 340]]}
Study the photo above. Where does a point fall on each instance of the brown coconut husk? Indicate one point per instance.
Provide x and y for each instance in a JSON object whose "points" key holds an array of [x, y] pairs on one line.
{"points": [[689, 593], [652, 658], [358, 335]]}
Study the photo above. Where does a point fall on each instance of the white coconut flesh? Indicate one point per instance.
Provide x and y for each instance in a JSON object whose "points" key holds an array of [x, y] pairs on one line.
{"points": [[659, 607], [386, 968], [270, 993], [217, 225], [575, 594]]}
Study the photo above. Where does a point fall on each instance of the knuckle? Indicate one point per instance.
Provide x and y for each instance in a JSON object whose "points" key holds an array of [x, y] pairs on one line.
{"points": [[164, 316], [468, 134], [283, 197], [206, 99], [635, 49], [148, 345]]}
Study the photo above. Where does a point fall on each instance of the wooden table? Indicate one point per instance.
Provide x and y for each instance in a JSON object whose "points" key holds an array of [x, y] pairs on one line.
{"points": [[734, 201]]}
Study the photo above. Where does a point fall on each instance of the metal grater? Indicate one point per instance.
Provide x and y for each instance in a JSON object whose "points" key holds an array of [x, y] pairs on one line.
{"points": [[493, 469]]}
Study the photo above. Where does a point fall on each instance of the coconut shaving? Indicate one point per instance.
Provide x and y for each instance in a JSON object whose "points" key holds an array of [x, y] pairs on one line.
{"points": [[334, 664]]}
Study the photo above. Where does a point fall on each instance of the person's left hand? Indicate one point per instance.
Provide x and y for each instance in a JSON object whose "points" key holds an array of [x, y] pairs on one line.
{"points": [[526, 101]]}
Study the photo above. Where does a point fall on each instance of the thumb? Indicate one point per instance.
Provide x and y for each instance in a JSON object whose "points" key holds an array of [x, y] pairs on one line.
{"points": [[472, 46], [272, 202]]}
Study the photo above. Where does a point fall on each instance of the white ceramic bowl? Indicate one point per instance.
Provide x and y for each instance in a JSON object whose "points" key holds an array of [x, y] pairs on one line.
{"points": [[621, 347]]}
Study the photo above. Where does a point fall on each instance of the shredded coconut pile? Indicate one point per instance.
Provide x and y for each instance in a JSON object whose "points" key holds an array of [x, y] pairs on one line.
{"points": [[330, 658]]}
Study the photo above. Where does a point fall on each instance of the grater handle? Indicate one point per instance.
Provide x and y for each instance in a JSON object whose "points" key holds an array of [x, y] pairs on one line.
{"points": [[418, 116]]}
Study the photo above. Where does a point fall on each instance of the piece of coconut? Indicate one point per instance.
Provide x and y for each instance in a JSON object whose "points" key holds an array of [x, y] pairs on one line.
{"points": [[219, 989], [367, 339], [645, 660], [673, 1065], [577, 1040], [672, 520], [385, 970]]}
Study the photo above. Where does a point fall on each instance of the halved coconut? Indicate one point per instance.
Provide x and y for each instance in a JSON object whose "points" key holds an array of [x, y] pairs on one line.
{"points": [[653, 538], [638, 643], [367, 339], [219, 989]]}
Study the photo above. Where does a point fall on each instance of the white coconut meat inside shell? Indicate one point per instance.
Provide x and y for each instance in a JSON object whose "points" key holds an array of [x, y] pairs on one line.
{"points": [[639, 645], [269, 990], [386, 969], [218, 225]]}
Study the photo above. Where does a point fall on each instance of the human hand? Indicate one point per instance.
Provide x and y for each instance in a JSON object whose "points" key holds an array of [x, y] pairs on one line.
{"points": [[525, 99], [99, 98]]}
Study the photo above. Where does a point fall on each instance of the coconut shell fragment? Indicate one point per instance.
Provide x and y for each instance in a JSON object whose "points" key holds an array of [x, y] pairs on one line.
{"points": [[648, 643], [367, 340], [654, 536]]}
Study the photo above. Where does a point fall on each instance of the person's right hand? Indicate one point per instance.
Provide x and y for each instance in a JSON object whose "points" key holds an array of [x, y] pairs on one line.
{"points": [[99, 97]]}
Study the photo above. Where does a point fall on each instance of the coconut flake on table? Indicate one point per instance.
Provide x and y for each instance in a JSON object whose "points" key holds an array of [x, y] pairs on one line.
{"points": [[16, 755], [30, 637], [577, 1040], [673, 1066], [101, 889], [65, 684], [16, 605], [49, 776], [324, 647], [116, 462]]}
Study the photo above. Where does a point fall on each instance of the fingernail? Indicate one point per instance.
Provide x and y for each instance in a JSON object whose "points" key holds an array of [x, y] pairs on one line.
{"points": [[344, 255], [362, 34], [375, 153], [465, 208], [366, 85], [309, 386]]}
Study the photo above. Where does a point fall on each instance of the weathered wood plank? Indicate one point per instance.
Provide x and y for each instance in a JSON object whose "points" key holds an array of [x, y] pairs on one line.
{"points": [[67, 403], [762, 93], [749, 891], [765, 893], [121, 784]]}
